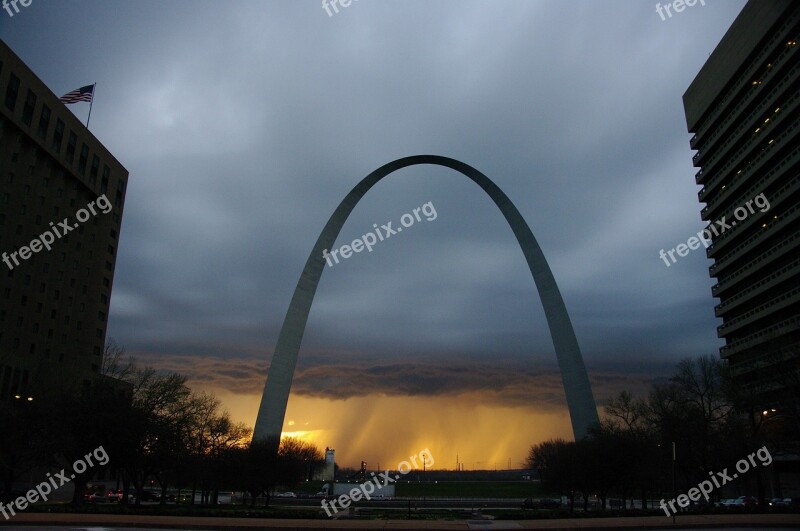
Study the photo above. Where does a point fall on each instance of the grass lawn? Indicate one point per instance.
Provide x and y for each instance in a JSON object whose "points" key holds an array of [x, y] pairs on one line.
{"points": [[450, 489]]}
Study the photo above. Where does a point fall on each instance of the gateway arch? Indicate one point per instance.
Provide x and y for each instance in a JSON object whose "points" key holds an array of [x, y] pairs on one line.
{"points": [[580, 401]]}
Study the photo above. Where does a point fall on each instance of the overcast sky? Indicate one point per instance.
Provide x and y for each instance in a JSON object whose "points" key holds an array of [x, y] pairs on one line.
{"points": [[244, 123]]}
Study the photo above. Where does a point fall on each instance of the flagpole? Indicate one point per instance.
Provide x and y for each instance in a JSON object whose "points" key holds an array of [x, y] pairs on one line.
{"points": [[94, 87]]}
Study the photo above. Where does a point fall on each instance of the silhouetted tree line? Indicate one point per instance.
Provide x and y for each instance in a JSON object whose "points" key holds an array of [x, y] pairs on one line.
{"points": [[713, 420], [154, 428]]}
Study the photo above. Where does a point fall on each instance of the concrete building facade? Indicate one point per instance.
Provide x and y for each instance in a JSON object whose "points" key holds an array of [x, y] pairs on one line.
{"points": [[744, 111], [53, 302]]}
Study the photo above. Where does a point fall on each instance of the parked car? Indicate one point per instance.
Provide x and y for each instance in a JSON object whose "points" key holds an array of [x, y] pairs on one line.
{"points": [[726, 503], [745, 501], [543, 503], [97, 497], [148, 495], [285, 495], [114, 496], [549, 503]]}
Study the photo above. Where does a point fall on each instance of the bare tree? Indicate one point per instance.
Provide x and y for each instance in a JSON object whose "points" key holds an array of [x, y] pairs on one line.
{"points": [[114, 364]]}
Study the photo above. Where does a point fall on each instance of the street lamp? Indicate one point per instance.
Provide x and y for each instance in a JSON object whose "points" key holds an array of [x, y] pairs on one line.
{"points": [[424, 474], [674, 492]]}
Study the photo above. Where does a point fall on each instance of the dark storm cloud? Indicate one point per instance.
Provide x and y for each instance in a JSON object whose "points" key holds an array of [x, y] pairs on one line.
{"points": [[516, 386], [244, 123]]}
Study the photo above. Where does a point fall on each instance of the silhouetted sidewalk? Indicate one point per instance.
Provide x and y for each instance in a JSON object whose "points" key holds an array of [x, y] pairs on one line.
{"points": [[248, 524]]}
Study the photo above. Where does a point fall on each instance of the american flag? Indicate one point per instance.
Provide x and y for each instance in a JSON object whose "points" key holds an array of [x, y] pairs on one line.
{"points": [[81, 94]]}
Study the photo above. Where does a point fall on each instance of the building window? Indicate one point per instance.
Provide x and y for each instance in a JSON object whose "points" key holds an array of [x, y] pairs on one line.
{"points": [[83, 158], [58, 135], [104, 181], [27, 110], [95, 168], [44, 122], [11, 92], [72, 140]]}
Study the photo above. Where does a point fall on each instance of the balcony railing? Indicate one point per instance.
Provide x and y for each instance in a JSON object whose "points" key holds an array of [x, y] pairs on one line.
{"points": [[775, 304], [770, 100], [761, 260], [787, 218], [784, 327], [777, 172], [747, 75], [751, 166], [789, 270]]}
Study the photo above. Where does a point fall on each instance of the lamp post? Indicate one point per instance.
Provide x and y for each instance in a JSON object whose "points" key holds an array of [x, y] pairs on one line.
{"points": [[424, 475], [674, 492]]}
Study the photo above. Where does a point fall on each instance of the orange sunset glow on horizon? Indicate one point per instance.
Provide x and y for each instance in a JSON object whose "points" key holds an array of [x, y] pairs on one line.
{"points": [[385, 430], [478, 416]]}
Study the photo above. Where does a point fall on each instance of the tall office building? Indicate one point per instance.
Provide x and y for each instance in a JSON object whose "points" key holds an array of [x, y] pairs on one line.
{"points": [[53, 302], [743, 108]]}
